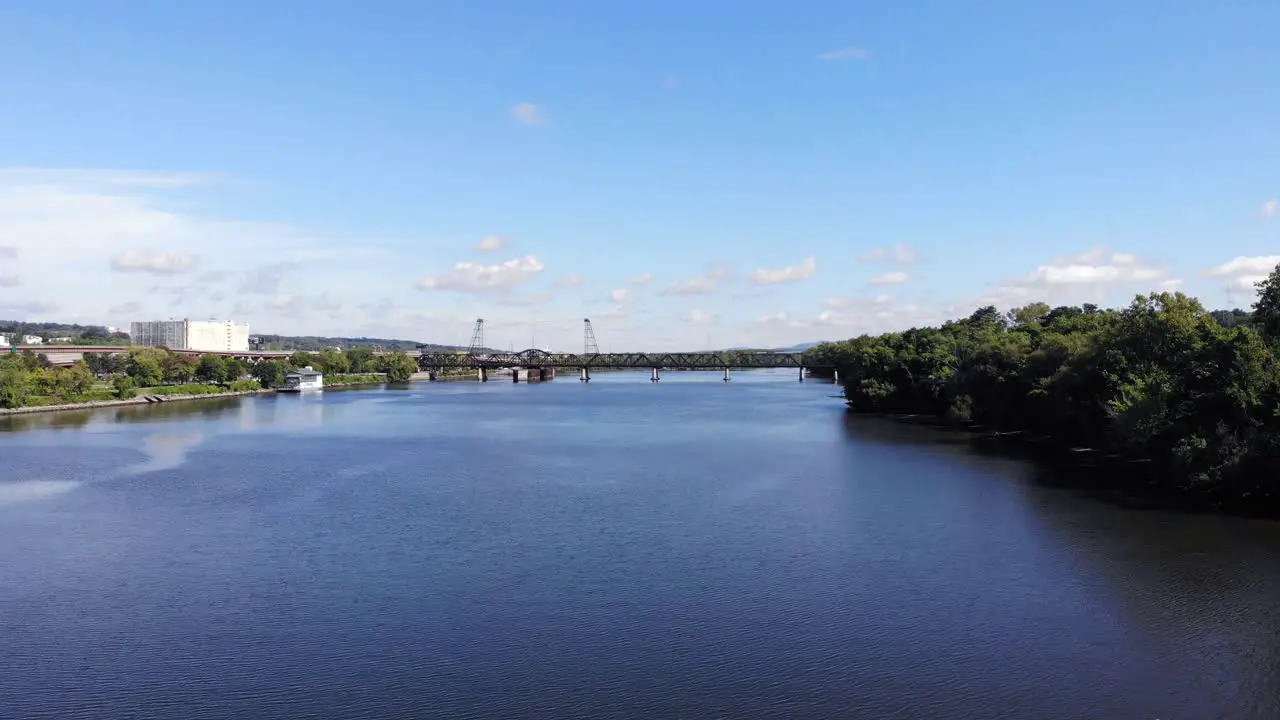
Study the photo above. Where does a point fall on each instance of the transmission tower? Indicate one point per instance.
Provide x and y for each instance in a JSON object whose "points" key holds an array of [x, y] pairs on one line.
{"points": [[477, 338], [589, 346]]}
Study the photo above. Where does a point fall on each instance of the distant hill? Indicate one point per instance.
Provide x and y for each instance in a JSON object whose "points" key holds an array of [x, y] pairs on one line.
{"points": [[794, 348], [802, 346], [316, 342]]}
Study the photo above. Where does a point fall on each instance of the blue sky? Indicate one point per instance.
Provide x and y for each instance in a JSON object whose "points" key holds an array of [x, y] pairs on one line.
{"points": [[685, 174]]}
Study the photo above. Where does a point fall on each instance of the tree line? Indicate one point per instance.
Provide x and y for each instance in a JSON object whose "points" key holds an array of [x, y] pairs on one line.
{"points": [[1194, 395], [87, 334], [29, 379]]}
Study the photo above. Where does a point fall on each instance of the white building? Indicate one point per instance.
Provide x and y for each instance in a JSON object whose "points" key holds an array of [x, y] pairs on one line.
{"points": [[304, 379], [5, 340], [198, 335], [32, 340]]}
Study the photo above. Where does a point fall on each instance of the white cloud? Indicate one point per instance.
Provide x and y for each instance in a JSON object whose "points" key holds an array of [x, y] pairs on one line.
{"points": [[265, 280], [128, 308], [1093, 268], [643, 279], [699, 285], [569, 281], [771, 318], [491, 243], [793, 273], [904, 254], [69, 228], [849, 52], [107, 178], [8, 278], [154, 262], [1270, 208], [847, 303], [529, 114], [1260, 265], [698, 317], [892, 278], [469, 277], [283, 301], [28, 307], [1089, 277], [619, 295], [529, 300], [1242, 274]]}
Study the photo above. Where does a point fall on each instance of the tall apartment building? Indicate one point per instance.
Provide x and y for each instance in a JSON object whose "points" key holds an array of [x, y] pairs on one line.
{"points": [[198, 335]]}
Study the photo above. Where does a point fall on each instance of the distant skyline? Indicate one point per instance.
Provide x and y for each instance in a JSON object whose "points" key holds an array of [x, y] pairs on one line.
{"points": [[708, 174]]}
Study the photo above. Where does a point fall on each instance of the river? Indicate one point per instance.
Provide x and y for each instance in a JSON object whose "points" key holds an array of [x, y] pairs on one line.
{"points": [[621, 549]]}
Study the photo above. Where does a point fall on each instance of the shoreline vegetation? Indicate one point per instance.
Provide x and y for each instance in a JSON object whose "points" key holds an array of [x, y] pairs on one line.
{"points": [[1161, 398], [29, 383]]}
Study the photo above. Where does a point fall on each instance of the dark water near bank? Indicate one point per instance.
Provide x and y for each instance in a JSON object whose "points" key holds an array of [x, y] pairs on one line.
{"points": [[620, 550]]}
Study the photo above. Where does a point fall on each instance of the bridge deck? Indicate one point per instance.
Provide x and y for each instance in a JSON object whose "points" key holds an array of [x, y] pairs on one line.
{"points": [[681, 361]]}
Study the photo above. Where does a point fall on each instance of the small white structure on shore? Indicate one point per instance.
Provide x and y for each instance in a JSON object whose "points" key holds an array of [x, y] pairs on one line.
{"points": [[303, 380]]}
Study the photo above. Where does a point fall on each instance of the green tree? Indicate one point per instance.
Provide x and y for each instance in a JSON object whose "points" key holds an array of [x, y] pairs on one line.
{"points": [[333, 362], [211, 369], [303, 359], [1160, 380], [15, 387], [270, 373], [104, 363], [398, 366], [1266, 311], [124, 386], [146, 366], [362, 359], [179, 368], [234, 369], [73, 381]]}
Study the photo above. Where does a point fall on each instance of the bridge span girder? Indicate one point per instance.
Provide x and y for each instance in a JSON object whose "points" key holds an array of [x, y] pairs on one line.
{"points": [[672, 361]]}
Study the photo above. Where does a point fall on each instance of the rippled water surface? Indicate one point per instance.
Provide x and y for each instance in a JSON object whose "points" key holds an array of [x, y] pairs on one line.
{"points": [[622, 549]]}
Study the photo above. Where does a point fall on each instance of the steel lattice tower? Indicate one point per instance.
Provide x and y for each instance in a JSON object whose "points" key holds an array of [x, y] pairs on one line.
{"points": [[477, 338], [589, 346]]}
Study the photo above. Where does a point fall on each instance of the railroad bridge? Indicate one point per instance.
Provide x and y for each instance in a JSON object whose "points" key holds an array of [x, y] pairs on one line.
{"points": [[533, 364]]}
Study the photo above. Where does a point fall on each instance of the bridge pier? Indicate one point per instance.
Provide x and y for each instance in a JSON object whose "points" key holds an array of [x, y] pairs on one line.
{"points": [[586, 374], [801, 373], [656, 376], [726, 374], [482, 375], [835, 376]]}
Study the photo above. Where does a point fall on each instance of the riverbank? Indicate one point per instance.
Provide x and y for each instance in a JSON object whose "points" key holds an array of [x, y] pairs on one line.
{"points": [[124, 402], [153, 399], [1137, 483]]}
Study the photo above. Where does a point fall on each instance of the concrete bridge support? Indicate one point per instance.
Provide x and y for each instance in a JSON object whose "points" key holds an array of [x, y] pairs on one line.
{"points": [[726, 374], [482, 375], [586, 374], [802, 374], [533, 374], [835, 377], [656, 376]]}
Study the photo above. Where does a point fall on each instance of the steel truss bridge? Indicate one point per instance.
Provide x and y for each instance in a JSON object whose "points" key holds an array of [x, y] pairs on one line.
{"points": [[613, 361], [477, 357]]}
